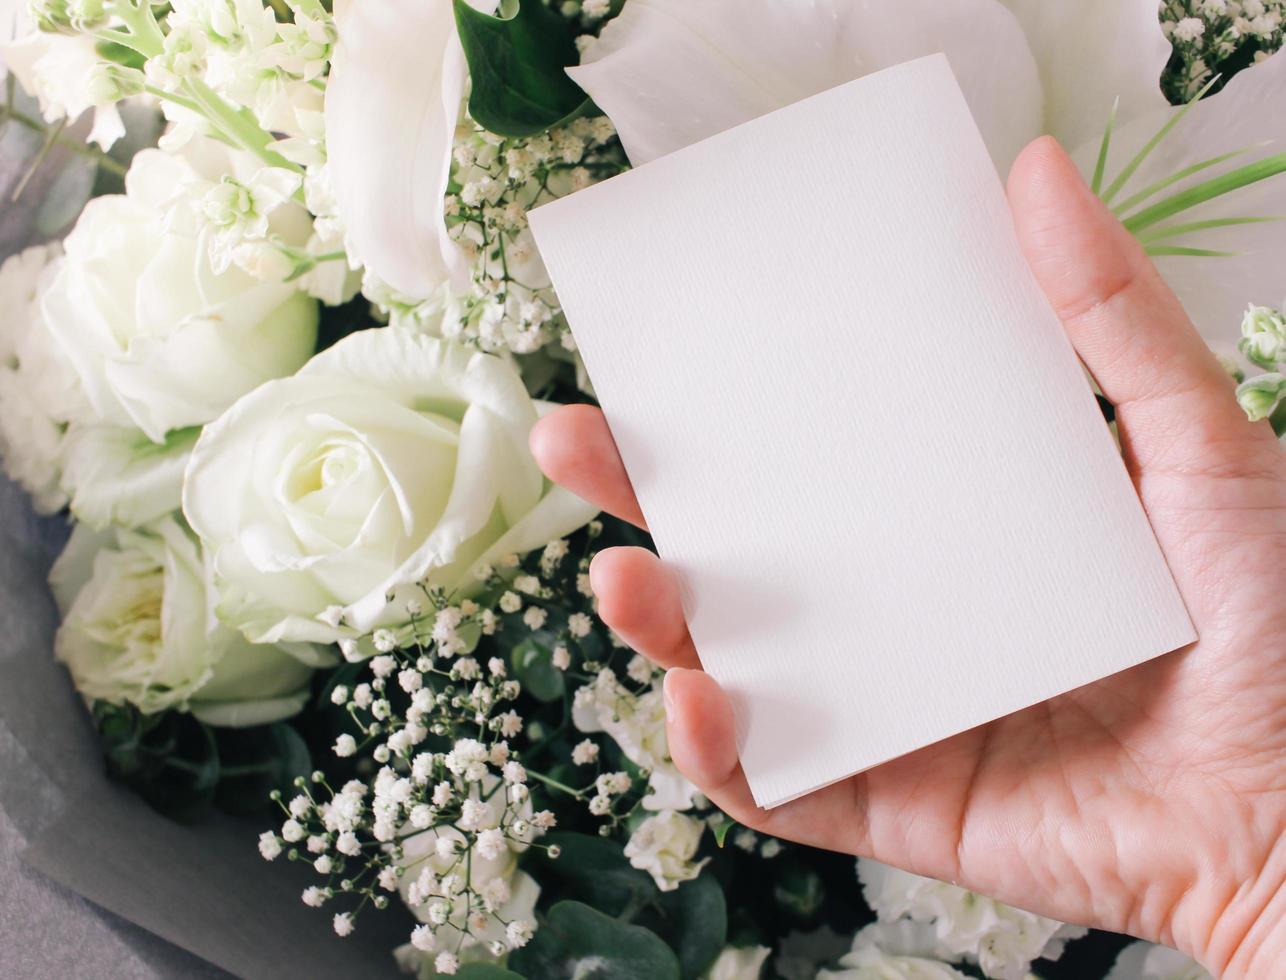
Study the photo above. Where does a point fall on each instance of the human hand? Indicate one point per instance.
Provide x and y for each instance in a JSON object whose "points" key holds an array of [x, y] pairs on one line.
{"points": [[1152, 802]]}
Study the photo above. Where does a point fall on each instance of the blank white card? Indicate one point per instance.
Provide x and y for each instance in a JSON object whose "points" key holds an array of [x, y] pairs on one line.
{"points": [[857, 430]]}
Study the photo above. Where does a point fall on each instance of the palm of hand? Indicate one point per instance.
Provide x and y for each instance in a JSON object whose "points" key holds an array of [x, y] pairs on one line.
{"points": [[1152, 802]]}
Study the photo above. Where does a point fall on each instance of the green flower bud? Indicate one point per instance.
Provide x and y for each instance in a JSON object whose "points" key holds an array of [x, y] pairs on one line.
{"points": [[1263, 336], [1260, 395], [1231, 367], [110, 83], [67, 16]]}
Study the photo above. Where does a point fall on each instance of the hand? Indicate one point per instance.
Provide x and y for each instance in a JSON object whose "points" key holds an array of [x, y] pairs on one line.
{"points": [[1152, 802]]}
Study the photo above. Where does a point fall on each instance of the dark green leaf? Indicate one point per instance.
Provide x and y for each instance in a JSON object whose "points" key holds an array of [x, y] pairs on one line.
{"points": [[169, 758], [257, 761], [486, 971], [516, 61], [695, 923], [800, 891], [595, 871], [576, 941], [534, 669]]}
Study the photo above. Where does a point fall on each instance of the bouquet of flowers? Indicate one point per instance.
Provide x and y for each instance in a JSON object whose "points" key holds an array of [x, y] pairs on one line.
{"points": [[281, 375]]}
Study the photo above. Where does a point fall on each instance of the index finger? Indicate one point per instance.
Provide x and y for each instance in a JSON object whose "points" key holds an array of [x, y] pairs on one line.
{"points": [[575, 448]]}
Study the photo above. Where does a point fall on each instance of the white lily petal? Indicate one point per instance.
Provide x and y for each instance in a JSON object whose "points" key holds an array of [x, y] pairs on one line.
{"points": [[392, 103], [671, 72], [1091, 52], [1215, 291]]}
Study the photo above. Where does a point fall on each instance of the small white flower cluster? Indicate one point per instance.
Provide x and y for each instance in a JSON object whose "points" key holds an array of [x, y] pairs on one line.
{"points": [[441, 829], [450, 809], [494, 182], [1002, 940], [1206, 33]]}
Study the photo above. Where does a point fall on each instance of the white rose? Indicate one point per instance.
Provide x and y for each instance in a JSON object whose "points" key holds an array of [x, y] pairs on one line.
{"points": [[637, 725], [1004, 940], [160, 341], [137, 628], [664, 845], [38, 390], [389, 460], [901, 950], [738, 963]]}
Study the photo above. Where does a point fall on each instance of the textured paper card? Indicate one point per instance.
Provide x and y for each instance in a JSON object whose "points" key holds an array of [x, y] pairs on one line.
{"points": [[857, 430]]}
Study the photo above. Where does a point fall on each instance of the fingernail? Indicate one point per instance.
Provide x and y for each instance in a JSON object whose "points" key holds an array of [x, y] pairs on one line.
{"points": [[666, 697]]}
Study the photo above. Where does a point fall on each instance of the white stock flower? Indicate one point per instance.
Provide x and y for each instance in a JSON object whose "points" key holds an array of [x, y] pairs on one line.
{"points": [[1144, 961], [1004, 940], [392, 102], [65, 74], [895, 951], [901, 950], [388, 460], [637, 725], [738, 963], [664, 845], [39, 392], [671, 72], [136, 628]]}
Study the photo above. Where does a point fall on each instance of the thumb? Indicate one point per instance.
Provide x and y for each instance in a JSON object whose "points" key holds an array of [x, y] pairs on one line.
{"points": [[1172, 397]]}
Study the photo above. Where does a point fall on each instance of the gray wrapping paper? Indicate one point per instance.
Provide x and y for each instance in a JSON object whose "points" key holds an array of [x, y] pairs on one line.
{"points": [[204, 889]]}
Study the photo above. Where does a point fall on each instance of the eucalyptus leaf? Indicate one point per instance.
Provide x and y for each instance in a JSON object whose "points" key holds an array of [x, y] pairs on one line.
{"points": [[534, 668], [695, 923], [516, 61], [486, 971], [576, 942], [594, 870]]}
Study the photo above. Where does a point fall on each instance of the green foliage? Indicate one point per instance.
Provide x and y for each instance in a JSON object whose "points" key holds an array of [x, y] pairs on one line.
{"points": [[516, 61], [576, 941], [486, 971], [533, 666], [170, 759], [694, 921], [595, 871], [183, 767]]}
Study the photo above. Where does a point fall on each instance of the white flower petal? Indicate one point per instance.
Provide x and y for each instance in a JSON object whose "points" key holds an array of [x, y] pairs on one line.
{"points": [[118, 476], [392, 102], [1090, 52], [671, 72], [244, 714], [1215, 291]]}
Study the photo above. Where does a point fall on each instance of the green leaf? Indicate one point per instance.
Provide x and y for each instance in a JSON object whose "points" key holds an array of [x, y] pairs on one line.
{"points": [[594, 870], [486, 971], [1124, 176], [695, 923], [800, 891], [516, 61], [1097, 183], [255, 762], [169, 758], [534, 669], [1208, 190], [577, 942], [723, 829]]}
